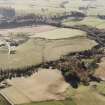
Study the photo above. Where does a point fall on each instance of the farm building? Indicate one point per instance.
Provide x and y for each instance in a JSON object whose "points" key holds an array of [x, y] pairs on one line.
{"points": [[9, 47]]}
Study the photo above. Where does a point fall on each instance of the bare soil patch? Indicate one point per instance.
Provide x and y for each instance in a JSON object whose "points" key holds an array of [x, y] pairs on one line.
{"points": [[28, 29]]}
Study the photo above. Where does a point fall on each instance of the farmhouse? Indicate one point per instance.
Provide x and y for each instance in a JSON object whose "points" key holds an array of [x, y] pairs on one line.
{"points": [[11, 47], [12, 50]]}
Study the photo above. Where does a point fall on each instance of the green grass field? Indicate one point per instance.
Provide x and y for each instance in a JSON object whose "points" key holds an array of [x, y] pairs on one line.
{"points": [[87, 96], [89, 21]]}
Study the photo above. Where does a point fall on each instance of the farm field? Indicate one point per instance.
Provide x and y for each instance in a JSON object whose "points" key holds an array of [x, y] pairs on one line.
{"points": [[47, 84], [36, 44], [26, 94], [65, 102], [66, 40], [89, 21]]}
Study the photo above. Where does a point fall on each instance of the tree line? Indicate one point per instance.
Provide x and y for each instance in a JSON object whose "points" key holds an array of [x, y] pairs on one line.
{"points": [[78, 66], [34, 19]]}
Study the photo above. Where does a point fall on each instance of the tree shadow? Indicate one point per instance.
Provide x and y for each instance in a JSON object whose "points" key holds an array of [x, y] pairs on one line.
{"points": [[95, 79], [74, 81]]}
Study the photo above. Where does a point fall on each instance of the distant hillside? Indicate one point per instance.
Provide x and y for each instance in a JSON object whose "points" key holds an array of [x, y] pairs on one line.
{"points": [[91, 7]]}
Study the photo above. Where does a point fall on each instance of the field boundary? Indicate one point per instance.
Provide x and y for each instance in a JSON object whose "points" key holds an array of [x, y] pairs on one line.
{"points": [[6, 98]]}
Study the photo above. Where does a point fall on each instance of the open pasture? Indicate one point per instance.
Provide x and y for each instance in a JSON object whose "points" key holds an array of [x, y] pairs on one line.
{"points": [[44, 85], [52, 7], [89, 21], [46, 44]]}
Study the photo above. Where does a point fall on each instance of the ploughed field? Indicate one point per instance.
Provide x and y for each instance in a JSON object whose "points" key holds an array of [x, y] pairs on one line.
{"points": [[41, 43], [44, 85], [27, 29]]}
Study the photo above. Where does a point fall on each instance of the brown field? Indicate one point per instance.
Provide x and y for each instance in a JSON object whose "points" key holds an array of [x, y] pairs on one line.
{"points": [[28, 29], [45, 85]]}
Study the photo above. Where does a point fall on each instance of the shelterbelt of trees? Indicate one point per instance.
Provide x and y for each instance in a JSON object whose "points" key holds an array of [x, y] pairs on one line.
{"points": [[76, 67], [33, 19]]}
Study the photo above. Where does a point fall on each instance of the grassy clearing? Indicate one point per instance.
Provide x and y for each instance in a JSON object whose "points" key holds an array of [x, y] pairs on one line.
{"points": [[84, 95], [30, 53], [45, 85]]}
